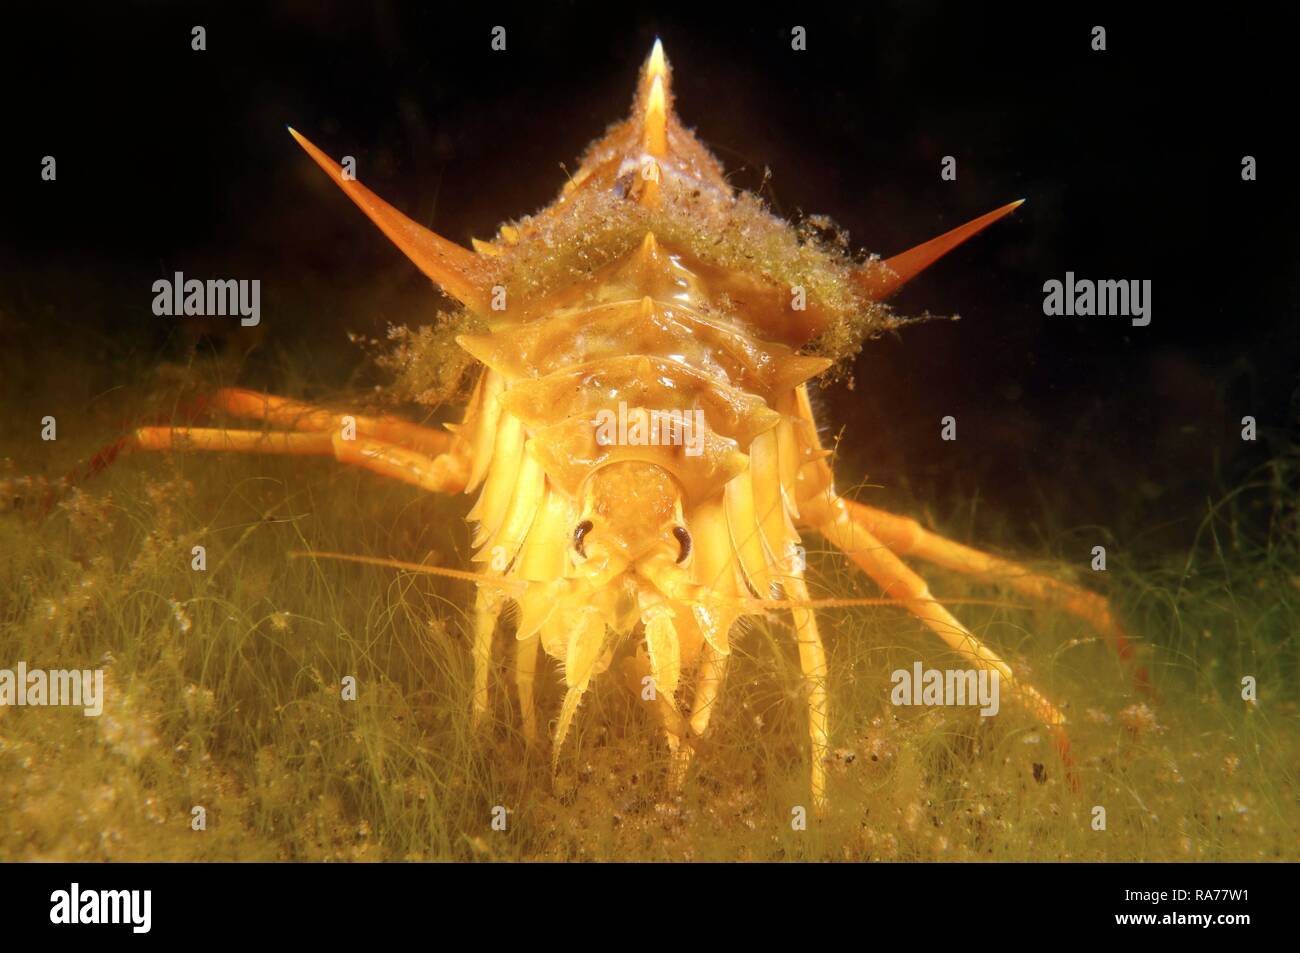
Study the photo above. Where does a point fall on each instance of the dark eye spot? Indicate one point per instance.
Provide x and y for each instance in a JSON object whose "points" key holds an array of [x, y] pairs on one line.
{"points": [[684, 538], [579, 534]]}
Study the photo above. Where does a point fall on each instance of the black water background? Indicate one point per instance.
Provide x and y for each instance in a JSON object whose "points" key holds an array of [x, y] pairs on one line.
{"points": [[172, 160]]}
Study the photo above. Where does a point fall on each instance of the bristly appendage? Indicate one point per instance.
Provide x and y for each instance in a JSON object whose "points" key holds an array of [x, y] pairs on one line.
{"points": [[652, 293]]}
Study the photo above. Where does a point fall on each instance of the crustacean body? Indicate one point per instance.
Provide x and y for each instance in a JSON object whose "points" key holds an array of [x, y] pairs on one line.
{"points": [[640, 437]]}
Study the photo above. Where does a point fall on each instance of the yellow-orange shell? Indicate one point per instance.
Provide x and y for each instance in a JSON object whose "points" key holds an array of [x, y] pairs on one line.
{"points": [[648, 286], [649, 213], [648, 335], [614, 300]]}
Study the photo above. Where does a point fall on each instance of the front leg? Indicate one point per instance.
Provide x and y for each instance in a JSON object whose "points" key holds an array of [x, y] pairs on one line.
{"points": [[907, 537], [830, 515], [445, 473], [812, 662], [425, 457]]}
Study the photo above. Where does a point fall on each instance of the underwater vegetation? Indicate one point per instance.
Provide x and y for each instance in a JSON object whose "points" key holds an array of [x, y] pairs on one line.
{"points": [[223, 690], [257, 705]]}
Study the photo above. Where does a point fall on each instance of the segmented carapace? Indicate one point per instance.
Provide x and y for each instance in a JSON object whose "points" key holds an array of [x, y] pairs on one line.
{"points": [[652, 293]]}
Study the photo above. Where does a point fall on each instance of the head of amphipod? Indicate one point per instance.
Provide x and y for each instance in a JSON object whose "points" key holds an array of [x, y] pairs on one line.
{"points": [[648, 286], [632, 572]]}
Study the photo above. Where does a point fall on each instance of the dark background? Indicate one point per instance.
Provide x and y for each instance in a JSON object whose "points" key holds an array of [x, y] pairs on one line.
{"points": [[170, 159]]}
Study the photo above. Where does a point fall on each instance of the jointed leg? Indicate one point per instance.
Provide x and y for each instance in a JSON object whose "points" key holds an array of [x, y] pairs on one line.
{"points": [[812, 660], [427, 458], [526, 652], [636, 669], [390, 447], [284, 412], [374, 445], [487, 607], [830, 515], [442, 474], [708, 686], [445, 473], [907, 537]]}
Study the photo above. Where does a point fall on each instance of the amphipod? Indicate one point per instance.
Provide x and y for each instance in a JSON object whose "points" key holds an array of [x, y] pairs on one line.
{"points": [[652, 294]]}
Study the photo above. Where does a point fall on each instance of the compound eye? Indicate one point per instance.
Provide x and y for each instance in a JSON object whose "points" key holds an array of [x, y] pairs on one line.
{"points": [[579, 535], [684, 540]]}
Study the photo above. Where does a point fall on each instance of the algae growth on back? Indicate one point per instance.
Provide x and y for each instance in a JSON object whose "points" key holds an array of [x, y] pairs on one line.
{"points": [[650, 289]]}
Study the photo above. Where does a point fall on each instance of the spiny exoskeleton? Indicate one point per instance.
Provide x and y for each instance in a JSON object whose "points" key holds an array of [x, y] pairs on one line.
{"points": [[640, 435]]}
